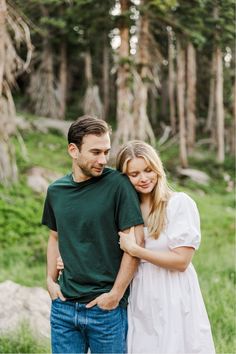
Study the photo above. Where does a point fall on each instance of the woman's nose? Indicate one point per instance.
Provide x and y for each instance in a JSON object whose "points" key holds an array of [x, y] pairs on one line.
{"points": [[143, 177]]}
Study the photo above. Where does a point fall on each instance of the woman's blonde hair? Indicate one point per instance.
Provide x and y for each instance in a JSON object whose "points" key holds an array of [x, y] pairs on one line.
{"points": [[161, 192]]}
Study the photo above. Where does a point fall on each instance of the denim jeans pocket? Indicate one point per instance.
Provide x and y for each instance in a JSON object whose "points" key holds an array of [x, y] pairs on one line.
{"points": [[105, 310]]}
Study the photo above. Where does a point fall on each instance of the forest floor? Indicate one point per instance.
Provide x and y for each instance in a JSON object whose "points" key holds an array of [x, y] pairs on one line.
{"points": [[23, 240]]}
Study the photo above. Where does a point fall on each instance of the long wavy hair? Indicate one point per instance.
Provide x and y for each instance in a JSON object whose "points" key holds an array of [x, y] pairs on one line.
{"points": [[160, 193]]}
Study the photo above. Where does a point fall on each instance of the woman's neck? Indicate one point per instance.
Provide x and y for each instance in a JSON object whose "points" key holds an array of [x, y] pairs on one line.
{"points": [[145, 199]]}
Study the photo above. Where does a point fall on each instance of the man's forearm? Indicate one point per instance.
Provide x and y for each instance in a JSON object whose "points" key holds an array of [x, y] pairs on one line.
{"points": [[128, 266], [126, 272], [52, 254]]}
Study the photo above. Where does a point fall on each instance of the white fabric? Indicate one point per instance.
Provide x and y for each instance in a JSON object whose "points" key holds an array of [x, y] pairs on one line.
{"points": [[166, 312]]}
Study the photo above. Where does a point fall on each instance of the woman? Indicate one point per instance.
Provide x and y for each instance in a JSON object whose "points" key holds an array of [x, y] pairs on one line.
{"points": [[166, 311]]}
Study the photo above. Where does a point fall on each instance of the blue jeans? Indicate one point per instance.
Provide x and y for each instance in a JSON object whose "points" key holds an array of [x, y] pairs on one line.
{"points": [[74, 328]]}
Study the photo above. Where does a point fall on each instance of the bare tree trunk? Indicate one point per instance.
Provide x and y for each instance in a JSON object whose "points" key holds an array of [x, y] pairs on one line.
{"points": [[219, 106], [8, 167], [43, 89], [153, 105], [171, 81], [191, 97], [211, 104], [92, 102], [62, 81], [3, 13], [125, 126], [106, 82], [143, 128], [13, 32], [181, 101], [233, 130], [164, 98], [88, 68]]}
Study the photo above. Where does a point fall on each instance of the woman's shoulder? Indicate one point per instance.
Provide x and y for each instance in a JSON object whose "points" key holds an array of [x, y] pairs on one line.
{"points": [[183, 222], [179, 200], [180, 196]]}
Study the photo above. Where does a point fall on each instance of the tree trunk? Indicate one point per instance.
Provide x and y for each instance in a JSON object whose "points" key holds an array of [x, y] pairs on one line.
{"points": [[125, 126], [211, 105], [219, 106], [171, 81], [233, 130], [62, 81], [8, 167], [143, 128], [43, 89], [191, 97], [3, 13], [106, 82], [92, 102], [88, 68], [164, 98], [153, 106], [181, 102]]}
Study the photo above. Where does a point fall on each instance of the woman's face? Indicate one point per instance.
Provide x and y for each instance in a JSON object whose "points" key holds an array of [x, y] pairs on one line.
{"points": [[141, 175]]}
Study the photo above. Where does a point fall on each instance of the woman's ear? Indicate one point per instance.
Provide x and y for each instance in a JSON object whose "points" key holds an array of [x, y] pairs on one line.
{"points": [[73, 151]]}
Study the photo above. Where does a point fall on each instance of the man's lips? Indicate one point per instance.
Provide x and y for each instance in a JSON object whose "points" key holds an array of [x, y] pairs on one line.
{"points": [[99, 169]]}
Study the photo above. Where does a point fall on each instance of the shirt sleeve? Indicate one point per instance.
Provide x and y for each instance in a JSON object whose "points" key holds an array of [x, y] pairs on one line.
{"points": [[183, 228], [48, 217], [127, 208]]}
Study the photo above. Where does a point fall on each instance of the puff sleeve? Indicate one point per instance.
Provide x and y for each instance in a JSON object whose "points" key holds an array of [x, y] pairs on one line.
{"points": [[183, 222]]}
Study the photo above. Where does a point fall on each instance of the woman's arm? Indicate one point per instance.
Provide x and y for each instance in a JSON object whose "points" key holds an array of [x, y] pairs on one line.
{"points": [[128, 266], [52, 272], [176, 259]]}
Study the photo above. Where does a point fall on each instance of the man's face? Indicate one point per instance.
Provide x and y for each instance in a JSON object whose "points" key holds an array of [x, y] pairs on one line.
{"points": [[93, 154]]}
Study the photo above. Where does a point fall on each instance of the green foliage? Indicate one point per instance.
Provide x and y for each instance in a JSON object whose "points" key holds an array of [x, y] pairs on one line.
{"points": [[57, 23], [22, 341]]}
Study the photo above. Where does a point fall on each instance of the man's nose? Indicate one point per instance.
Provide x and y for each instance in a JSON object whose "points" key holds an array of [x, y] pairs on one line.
{"points": [[102, 160]]}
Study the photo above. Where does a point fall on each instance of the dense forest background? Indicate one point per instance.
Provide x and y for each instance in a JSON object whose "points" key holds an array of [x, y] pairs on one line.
{"points": [[153, 69], [159, 71]]}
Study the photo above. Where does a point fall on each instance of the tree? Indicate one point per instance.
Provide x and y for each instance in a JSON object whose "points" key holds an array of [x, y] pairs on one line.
{"points": [[142, 78], [171, 80], [181, 105], [125, 123], [92, 103], [191, 96], [11, 65]]}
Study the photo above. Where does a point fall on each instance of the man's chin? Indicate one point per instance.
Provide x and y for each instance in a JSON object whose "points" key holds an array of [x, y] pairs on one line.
{"points": [[97, 171]]}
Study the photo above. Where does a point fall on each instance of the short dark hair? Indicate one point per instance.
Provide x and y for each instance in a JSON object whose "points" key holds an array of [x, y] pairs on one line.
{"points": [[86, 125]]}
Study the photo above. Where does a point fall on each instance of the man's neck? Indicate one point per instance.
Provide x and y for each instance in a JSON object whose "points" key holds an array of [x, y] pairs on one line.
{"points": [[78, 176]]}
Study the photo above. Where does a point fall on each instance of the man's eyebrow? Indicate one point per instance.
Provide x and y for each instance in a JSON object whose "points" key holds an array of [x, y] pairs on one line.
{"points": [[95, 150]]}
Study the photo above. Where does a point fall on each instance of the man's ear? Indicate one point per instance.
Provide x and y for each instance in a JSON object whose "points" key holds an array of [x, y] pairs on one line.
{"points": [[73, 151]]}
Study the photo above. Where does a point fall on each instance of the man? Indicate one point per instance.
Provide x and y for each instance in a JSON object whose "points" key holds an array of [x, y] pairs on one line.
{"points": [[84, 211]]}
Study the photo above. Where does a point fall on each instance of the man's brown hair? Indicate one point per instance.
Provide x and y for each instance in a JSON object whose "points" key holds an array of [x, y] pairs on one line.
{"points": [[86, 125]]}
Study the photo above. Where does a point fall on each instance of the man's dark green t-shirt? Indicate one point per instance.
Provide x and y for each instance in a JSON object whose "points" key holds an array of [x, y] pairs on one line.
{"points": [[87, 217]]}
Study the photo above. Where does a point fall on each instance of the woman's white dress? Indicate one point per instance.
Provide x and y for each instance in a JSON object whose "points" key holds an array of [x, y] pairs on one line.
{"points": [[166, 312]]}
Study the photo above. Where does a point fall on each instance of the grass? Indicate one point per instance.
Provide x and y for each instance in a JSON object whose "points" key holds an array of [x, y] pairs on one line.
{"points": [[23, 341], [23, 240], [214, 263]]}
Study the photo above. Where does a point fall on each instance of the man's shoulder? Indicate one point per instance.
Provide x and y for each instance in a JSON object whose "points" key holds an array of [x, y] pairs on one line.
{"points": [[60, 182], [116, 176]]}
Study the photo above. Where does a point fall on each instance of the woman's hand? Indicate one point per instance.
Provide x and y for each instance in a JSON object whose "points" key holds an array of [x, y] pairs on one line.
{"points": [[128, 242]]}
